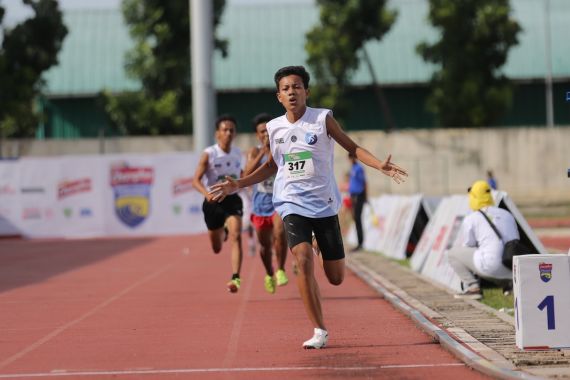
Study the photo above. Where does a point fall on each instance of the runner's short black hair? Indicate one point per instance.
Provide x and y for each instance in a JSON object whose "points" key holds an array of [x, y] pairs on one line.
{"points": [[225, 117], [260, 119], [292, 70]]}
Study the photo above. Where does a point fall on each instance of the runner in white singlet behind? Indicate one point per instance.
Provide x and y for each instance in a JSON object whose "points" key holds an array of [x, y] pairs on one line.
{"points": [[305, 193], [223, 219]]}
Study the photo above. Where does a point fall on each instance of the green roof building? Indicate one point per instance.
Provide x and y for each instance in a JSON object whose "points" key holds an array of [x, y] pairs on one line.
{"points": [[264, 36]]}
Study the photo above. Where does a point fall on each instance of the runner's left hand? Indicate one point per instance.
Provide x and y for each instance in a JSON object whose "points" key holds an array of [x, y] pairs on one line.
{"points": [[397, 173]]}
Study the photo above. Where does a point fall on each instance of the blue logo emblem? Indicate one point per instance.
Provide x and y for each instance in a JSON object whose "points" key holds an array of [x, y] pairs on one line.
{"points": [[310, 138], [132, 186], [194, 209], [545, 271]]}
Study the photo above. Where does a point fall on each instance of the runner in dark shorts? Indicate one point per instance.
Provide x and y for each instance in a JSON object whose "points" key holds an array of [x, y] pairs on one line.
{"points": [[223, 219]]}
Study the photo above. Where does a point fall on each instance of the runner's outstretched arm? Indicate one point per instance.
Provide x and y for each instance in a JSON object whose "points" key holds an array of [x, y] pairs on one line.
{"points": [[390, 169]]}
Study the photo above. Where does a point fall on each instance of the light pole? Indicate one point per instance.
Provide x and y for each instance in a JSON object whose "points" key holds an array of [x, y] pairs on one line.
{"points": [[201, 51]]}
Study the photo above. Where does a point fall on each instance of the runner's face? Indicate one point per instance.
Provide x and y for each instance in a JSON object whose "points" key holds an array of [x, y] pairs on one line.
{"points": [[262, 134], [292, 93], [226, 133]]}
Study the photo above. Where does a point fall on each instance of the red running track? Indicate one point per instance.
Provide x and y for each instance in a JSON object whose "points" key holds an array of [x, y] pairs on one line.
{"points": [[152, 309]]}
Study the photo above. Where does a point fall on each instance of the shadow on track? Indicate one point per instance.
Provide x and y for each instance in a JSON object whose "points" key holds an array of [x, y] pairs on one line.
{"points": [[24, 262]]}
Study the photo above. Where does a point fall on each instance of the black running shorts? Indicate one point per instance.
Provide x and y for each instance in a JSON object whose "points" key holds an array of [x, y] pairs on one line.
{"points": [[327, 233], [215, 214]]}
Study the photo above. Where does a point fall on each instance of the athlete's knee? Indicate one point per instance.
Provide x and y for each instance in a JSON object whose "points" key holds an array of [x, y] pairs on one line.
{"points": [[234, 236], [216, 248], [335, 278], [304, 263], [334, 272]]}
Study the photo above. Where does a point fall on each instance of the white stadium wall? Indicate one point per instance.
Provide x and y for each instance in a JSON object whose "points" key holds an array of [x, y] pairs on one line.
{"points": [[529, 163]]}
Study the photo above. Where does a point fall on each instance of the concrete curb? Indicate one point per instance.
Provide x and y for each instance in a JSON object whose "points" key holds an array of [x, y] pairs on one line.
{"points": [[456, 343]]}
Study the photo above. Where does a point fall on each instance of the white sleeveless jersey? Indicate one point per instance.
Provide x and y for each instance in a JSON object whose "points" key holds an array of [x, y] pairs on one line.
{"points": [[222, 164], [304, 154]]}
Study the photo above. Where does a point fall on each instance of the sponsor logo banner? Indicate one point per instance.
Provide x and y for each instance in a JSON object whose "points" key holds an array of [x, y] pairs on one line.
{"points": [[182, 185], [69, 188], [131, 188]]}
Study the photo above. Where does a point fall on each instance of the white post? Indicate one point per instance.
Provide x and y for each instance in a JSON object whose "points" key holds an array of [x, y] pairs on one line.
{"points": [[201, 51]]}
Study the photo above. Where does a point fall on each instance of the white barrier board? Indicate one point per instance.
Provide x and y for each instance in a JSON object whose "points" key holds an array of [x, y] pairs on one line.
{"points": [[441, 234], [388, 222], [9, 197], [399, 226], [542, 304], [443, 230], [374, 217], [527, 235]]}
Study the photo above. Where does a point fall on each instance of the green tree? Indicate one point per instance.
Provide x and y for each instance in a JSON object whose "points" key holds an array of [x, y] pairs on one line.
{"points": [[333, 45], [476, 35], [28, 49], [160, 60]]}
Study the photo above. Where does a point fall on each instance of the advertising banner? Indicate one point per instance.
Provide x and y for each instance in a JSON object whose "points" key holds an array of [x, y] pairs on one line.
{"points": [[79, 204], [129, 191], [9, 198], [441, 234], [176, 205], [38, 197], [392, 225], [98, 196]]}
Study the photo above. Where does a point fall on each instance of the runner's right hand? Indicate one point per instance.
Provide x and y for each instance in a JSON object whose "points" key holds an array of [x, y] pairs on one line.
{"points": [[219, 191]]}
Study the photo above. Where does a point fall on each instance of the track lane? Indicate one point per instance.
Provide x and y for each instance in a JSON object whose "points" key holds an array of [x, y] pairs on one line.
{"points": [[182, 322]]}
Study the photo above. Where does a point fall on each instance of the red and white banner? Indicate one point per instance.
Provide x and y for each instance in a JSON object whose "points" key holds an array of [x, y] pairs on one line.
{"points": [[95, 196], [79, 201]]}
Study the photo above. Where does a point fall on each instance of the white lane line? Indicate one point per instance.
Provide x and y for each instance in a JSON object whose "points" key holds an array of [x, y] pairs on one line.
{"points": [[91, 312], [232, 347], [422, 365], [61, 373]]}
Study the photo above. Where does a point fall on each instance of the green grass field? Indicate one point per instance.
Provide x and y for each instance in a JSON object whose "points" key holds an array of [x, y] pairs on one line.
{"points": [[492, 296]]}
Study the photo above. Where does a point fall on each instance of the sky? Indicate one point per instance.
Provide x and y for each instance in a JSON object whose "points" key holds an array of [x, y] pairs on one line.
{"points": [[16, 11]]}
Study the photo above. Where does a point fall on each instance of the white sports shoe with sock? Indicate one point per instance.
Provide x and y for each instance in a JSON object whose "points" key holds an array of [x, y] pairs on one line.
{"points": [[319, 340]]}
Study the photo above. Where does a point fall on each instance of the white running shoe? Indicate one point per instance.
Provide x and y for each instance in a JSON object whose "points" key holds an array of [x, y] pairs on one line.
{"points": [[319, 340]]}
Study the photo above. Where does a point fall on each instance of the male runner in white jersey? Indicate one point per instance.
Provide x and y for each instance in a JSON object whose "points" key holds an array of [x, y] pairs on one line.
{"points": [[268, 224], [305, 193], [218, 162]]}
